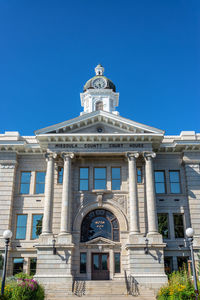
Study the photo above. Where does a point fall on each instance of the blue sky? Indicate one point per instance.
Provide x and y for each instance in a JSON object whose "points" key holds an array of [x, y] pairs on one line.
{"points": [[149, 48]]}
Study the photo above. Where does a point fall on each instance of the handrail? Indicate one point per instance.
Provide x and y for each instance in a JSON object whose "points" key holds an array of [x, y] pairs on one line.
{"points": [[79, 287], [131, 285]]}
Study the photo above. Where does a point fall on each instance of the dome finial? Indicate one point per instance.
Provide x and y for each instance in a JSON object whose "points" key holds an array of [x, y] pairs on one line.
{"points": [[99, 70]]}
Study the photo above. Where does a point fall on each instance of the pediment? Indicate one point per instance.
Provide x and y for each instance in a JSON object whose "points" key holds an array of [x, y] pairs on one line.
{"points": [[101, 241], [88, 124]]}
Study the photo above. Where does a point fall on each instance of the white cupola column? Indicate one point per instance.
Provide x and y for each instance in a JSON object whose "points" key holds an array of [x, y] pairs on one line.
{"points": [[65, 227], [133, 193], [150, 194], [49, 183]]}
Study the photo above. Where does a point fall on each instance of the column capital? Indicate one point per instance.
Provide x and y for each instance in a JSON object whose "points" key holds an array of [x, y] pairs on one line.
{"points": [[132, 155], [66, 156], [149, 155], [50, 155]]}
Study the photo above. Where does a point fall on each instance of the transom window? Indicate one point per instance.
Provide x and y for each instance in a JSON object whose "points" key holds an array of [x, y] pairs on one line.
{"points": [[99, 223], [160, 182], [100, 178]]}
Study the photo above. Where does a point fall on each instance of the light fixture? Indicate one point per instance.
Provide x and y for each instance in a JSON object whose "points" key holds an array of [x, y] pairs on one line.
{"points": [[190, 233], [7, 236]]}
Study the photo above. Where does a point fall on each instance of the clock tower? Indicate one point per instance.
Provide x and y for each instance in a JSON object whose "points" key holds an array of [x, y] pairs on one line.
{"points": [[99, 94]]}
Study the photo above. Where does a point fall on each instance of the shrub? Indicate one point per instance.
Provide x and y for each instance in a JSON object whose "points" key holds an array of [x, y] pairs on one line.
{"points": [[179, 287], [23, 288]]}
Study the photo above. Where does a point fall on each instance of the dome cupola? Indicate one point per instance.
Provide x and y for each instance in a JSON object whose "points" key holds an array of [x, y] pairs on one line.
{"points": [[99, 81], [99, 94]]}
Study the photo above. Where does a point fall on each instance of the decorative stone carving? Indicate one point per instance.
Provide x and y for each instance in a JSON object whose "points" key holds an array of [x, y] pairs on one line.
{"points": [[100, 199]]}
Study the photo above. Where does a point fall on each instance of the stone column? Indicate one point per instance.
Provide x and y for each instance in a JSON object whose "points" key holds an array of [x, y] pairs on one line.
{"points": [[133, 194], [150, 194], [66, 195], [49, 181]]}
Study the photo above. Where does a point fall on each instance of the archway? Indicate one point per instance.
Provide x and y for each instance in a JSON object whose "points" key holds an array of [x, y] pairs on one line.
{"points": [[99, 223]]}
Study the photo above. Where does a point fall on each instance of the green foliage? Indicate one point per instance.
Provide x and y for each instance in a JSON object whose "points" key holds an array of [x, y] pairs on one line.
{"points": [[23, 288], [179, 287]]}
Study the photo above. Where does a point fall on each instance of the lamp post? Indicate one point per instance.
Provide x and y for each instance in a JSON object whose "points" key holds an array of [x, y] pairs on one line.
{"points": [[190, 234], [7, 236]]}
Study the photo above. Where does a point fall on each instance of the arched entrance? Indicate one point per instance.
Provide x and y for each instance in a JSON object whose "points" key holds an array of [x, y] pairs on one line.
{"points": [[98, 227]]}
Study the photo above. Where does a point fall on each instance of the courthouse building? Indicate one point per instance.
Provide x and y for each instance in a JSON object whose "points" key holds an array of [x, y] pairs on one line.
{"points": [[99, 196]]}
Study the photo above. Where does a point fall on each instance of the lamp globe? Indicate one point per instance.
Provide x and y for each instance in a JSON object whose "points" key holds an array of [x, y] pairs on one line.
{"points": [[7, 234], [189, 232]]}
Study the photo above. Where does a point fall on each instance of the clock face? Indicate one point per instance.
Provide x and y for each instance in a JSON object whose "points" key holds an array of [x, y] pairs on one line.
{"points": [[99, 83]]}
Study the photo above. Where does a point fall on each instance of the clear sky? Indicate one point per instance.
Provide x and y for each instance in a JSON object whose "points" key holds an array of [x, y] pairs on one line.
{"points": [[150, 49]]}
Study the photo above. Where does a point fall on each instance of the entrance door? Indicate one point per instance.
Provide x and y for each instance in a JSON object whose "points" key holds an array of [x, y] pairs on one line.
{"points": [[100, 266]]}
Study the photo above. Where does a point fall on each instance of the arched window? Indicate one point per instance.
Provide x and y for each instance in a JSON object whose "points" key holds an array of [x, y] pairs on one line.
{"points": [[100, 223], [99, 105]]}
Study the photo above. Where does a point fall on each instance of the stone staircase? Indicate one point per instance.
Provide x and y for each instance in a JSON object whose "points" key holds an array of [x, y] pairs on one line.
{"points": [[98, 290]]}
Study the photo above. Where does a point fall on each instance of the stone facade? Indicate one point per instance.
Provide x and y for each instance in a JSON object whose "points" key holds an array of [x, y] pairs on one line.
{"points": [[100, 139]]}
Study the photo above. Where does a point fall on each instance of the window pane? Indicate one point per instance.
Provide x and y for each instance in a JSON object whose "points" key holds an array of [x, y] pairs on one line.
{"points": [[83, 262], [40, 182], [116, 172], [40, 177], [96, 262], [36, 226], [60, 175], [139, 175], [104, 262], [84, 173], [117, 262], [25, 182], [168, 263], [178, 226], [18, 265], [25, 177], [175, 188], [163, 225], [160, 188], [100, 173], [159, 176], [100, 185], [21, 227], [33, 265], [84, 185], [116, 184], [174, 176]]}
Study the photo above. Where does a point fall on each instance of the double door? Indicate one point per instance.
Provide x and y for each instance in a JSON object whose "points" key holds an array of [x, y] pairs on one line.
{"points": [[100, 266]]}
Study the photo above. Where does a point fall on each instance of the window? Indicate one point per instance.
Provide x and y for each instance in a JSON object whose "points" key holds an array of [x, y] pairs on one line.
{"points": [[163, 226], [40, 182], [25, 182], [18, 265], [33, 265], [178, 226], [60, 175], [117, 262], [139, 175], [84, 179], [116, 178], [99, 223], [99, 178], [174, 177], [182, 261], [21, 227], [168, 263], [36, 226], [160, 182], [83, 262], [99, 105]]}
